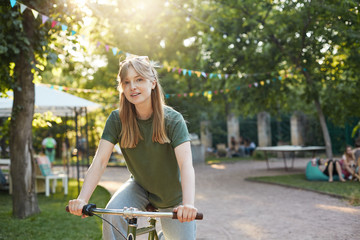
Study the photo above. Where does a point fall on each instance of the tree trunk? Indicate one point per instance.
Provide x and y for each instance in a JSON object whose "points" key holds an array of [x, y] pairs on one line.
{"points": [[22, 164], [324, 129], [321, 116]]}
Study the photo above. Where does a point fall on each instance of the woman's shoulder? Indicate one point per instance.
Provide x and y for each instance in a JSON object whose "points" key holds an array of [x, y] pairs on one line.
{"points": [[171, 113], [114, 116], [115, 113]]}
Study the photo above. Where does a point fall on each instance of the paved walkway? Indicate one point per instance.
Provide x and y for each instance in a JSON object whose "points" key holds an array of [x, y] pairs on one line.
{"points": [[238, 209]]}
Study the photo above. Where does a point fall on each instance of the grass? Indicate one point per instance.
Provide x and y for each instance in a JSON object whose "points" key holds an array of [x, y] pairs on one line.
{"points": [[53, 222], [216, 160], [349, 190]]}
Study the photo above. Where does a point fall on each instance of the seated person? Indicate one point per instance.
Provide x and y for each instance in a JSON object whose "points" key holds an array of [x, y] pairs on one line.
{"points": [[233, 149], [332, 167], [249, 147], [241, 147], [348, 164]]}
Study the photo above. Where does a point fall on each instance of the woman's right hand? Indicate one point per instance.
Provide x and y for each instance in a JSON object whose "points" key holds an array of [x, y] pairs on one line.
{"points": [[76, 206]]}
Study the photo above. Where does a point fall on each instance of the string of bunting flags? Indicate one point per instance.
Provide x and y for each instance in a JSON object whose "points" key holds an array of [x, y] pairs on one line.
{"points": [[207, 94], [44, 18]]}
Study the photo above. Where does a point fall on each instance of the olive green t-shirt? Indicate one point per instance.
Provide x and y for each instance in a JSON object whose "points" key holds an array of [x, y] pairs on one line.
{"points": [[153, 165]]}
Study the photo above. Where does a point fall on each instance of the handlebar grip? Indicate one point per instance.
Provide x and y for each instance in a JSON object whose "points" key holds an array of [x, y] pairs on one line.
{"points": [[199, 216], [87, 209]]}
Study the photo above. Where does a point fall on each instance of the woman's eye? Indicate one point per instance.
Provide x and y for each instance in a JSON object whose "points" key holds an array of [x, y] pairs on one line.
{"points": [[139, 79]]}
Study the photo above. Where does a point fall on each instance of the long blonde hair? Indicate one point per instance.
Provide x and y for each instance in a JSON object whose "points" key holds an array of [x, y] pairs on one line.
{"points": [[130, 132]]}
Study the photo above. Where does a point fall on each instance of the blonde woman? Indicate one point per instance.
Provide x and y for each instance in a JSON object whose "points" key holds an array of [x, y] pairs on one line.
{"points": [[348, 164], [156, 146]]}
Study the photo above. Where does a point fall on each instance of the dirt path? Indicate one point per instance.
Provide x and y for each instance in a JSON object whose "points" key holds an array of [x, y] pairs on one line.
{"points": [[237, 209]]}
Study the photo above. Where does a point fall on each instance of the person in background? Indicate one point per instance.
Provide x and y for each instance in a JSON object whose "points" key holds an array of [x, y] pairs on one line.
{"points": [[348, 164], [49, 146], [155, 142], [332, 168], [249, 147], [241, 147], [233, 147]]}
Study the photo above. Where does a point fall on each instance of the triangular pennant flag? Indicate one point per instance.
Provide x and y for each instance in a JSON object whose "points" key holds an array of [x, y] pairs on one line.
{"points": [[120, 52], [98, 44], [22, 7], [73, 32], [184, 72], [190, 73], [107, 49], [35, 13], [173, 70], [64, 27], [198, 74], [211, 75], [226, 76], [114, 50], [168, 69], [53, 23], [12, 3], [179, 70], [44, 18], [219, 75], [204, 74]]}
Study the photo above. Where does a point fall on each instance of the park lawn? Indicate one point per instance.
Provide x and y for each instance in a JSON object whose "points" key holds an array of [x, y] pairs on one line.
{"points": [[53, 222], [349, 190], [216, 160]]}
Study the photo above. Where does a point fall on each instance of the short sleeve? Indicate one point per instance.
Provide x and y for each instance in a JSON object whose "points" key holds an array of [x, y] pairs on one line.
{"points": [[178, 131], [112, 128]]}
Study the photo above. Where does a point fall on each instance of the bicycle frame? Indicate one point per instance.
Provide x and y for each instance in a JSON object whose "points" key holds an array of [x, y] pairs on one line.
{"points": [[131, 216]]}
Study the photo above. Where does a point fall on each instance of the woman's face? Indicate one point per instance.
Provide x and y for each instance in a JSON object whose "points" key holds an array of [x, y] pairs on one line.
{"points": [[348, 150], [137, 89]]}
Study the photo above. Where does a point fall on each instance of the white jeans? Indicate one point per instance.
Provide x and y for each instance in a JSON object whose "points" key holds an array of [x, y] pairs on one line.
{"points": [[132, 194]]}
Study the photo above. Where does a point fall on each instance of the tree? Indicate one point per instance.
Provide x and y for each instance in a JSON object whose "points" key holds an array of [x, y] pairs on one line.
{"points": [[25, 50], [307, 43]]}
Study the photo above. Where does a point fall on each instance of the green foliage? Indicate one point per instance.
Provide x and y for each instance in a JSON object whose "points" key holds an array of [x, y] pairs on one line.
{"points": [[309, 43]]}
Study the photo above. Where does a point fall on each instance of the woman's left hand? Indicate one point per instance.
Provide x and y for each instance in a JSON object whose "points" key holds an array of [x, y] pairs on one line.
{"points": [[186, 213]]}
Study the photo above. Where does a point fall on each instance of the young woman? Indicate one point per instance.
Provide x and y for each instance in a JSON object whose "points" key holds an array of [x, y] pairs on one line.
{"points": [[332, 167], [156, 146], [349, 164]]}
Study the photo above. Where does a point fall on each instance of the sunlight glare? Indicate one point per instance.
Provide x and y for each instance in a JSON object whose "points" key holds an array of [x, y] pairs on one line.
{"points": [[80, 3], [339, 209], [218, 166]]}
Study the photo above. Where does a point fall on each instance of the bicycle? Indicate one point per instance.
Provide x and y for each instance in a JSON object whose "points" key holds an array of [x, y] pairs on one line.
{"points": [[131, 215]]}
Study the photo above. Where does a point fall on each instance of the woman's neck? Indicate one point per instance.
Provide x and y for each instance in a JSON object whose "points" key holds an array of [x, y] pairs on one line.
{"points": [[144, 114]]}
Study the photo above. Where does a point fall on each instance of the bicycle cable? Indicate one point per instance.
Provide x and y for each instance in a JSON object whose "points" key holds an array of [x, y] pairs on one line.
{"points": [[110, 225]]}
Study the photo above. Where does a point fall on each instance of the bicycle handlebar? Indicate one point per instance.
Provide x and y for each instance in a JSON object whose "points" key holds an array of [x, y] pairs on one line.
{"points": [[90, 209]]}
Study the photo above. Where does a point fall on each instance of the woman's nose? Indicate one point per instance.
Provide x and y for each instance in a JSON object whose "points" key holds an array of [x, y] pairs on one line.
{"points": [[132, 85]]}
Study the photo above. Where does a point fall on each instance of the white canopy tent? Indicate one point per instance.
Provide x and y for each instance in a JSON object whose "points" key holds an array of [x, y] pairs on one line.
{"points": [[61, 104], [48, 99]]}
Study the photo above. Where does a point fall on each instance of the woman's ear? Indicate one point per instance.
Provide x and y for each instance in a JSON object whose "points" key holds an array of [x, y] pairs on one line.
{"points": [[153, 85]]}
